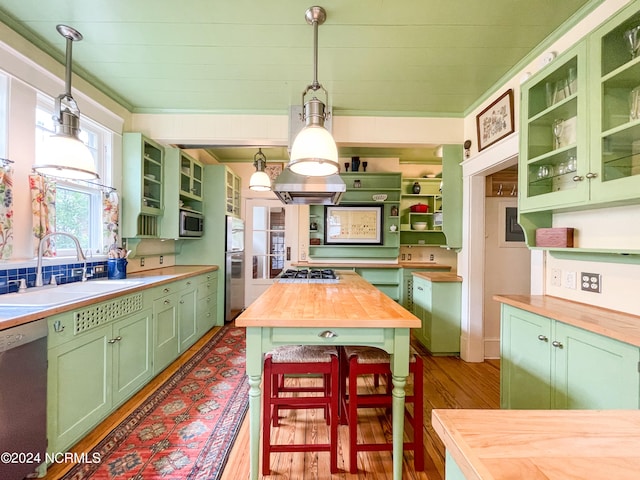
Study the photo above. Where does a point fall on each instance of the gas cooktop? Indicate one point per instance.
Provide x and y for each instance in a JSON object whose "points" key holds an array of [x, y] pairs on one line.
{"points": [[308, 276]]}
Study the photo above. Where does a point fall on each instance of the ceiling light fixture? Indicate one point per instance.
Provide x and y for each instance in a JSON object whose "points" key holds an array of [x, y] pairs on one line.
{"points": [[64, 154], [314, 151], [260, 181]]}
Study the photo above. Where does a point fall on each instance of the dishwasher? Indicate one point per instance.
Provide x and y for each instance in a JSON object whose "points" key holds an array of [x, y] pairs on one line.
{"points": [[23, 399]]}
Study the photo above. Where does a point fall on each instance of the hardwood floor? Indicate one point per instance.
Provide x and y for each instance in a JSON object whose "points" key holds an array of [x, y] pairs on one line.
{"points": [[448, 382]]}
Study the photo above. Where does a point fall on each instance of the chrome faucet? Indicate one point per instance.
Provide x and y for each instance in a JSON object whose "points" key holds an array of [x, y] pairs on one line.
{"points": [[79, 253]]}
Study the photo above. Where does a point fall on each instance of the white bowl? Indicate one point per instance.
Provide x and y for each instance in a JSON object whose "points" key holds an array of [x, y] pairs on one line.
{"points": [[380, 197], [419, 225]]}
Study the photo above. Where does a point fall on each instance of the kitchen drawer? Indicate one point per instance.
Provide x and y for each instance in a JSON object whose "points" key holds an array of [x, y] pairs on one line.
{"points": [[313, 336], [208, 285]]}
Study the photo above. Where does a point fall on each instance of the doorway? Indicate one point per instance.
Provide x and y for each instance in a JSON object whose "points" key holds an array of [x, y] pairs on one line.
{"points": [[271, 229]]}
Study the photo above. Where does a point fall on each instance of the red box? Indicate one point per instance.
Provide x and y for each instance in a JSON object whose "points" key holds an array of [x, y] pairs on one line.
{"points": [[419, 208], [554, 237]]}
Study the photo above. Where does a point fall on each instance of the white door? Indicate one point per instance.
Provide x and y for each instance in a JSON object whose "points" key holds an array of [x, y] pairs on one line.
{"points": [[271, 243]]}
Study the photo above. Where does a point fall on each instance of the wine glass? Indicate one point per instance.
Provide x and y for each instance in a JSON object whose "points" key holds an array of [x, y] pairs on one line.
{"points": [[346, 166], [558, 126], [631, 36]]}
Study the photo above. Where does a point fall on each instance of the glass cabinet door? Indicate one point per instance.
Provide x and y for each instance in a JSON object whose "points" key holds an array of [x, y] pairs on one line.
{"points": [[615, 134], [554, 156]]}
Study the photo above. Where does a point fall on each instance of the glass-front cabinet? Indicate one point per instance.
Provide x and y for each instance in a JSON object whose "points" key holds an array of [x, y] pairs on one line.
{"points": [[554, 158], [615, 128], [190, 177], [232, 194]]}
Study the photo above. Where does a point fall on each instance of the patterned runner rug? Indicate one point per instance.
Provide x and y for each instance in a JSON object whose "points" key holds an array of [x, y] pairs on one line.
{"points": [[186, 428]]}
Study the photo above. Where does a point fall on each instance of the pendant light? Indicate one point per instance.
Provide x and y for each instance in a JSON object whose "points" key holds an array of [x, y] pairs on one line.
{"points": [[64, 154], [260, 181], [314, 152]]}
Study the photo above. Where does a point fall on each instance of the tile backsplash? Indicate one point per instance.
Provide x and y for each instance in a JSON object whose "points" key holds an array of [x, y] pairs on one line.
{"points": [[9, 277]]}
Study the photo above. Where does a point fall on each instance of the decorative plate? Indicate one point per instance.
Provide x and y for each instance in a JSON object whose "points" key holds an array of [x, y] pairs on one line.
{"points": [[380, 197]]}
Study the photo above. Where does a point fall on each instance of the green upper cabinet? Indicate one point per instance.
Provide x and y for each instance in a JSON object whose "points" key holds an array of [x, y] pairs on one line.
{"points": [[143, 190], [451, 189], [554, 157], [615, 128], [233, 192], [421, 212], [580, 139]]}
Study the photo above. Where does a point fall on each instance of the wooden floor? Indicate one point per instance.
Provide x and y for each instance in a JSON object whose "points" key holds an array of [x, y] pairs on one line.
{"points": [[448, 383]]}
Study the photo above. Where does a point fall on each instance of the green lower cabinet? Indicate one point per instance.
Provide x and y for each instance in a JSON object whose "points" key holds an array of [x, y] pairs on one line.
{"points": [[547, 364], [384, 279], [206, 306], [187, 320], [438, 305], [451, 469], [165, 335], [92, 373]]}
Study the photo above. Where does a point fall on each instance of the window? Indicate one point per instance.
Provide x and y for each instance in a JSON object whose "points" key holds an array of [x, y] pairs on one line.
{"points": [[78, 203]]}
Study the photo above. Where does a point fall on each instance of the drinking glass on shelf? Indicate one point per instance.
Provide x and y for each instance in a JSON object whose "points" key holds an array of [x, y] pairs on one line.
{"points": [[634, 104], [543, 171], [562, 168], [572, 80], [550, 93], [633, 40], [558, 126], [571, 163]]}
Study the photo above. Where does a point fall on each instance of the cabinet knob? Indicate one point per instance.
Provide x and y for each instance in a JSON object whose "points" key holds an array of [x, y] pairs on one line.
{"points": [[181, 302], [557, 344], [543, 338], [166, 290], [578, 178], [591, 175], [420, 288], [167, 302], [188, 283]]}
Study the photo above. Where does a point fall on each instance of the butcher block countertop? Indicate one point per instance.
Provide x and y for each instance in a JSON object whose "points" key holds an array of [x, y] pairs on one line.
{"points": [[352, 302], [621, 326], [11, 317], [438, 276], [542, 444]]}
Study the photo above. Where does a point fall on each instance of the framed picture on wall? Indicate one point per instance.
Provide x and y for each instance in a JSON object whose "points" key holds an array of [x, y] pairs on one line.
{"points": [[496, 121], [353, 225]]}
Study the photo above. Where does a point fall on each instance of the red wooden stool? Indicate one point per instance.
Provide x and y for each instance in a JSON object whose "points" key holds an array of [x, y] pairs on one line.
{"points": [[368, 360], [300, 360]]}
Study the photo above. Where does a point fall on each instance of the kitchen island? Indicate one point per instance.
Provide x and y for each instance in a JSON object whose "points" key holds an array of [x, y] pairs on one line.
{"points": [[540, 444], [349, 312]]}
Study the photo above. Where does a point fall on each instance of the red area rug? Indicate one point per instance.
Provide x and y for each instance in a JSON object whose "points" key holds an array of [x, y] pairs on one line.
{"points": [[185, 430]]}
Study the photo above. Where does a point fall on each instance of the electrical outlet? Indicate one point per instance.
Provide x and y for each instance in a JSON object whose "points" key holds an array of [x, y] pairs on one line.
{"points": [[161, 259], [591, 282], [98, 269], [556, 277], [432, 257], [142, 261], [569, 280]]}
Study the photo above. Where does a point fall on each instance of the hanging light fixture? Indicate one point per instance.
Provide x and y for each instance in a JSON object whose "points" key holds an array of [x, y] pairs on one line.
{"points": [[314, 151], [260, 181], [64, 154]]}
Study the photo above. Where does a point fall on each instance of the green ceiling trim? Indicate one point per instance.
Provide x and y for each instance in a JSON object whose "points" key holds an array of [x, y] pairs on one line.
{"points": [[537, 51]]}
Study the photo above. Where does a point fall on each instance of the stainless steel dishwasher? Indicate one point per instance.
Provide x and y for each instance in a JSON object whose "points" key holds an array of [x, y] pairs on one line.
{"points": [[23, 399]]}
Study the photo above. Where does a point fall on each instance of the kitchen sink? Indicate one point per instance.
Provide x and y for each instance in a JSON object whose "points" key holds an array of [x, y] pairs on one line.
{"points": [[50, 295]]}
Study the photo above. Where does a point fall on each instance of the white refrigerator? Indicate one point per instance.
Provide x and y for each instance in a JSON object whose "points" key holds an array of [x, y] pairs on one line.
{"points": [[234, 269]]}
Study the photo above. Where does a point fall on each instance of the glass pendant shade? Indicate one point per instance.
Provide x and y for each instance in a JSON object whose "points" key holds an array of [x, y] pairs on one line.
{"points": [[314, 152], [66, 156], [260, 182]]}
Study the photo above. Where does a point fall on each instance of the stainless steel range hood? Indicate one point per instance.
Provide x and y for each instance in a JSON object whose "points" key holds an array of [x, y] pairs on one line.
{"points": [[294, 189]]}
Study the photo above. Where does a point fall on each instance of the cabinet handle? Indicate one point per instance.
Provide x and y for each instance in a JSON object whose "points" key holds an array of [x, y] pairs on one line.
{"points": [[557, 344], [58, 327], [181, 302], [578, 178], [543, 338], [167, 302], [188, 283], [591, 175], [327, 334], [208, 285], [166, 290], [114, 340], [420, 288]]}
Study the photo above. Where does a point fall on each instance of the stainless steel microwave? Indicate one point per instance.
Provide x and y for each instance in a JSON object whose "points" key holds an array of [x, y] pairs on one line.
{"points": [[191, 224]]}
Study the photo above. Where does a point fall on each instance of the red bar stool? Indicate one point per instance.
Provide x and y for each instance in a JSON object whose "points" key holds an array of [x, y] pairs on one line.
{"points": [[300, 360], [368, 360]]}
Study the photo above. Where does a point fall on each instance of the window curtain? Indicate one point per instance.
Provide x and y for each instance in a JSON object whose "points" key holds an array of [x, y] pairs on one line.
{"points": [[6, 212], [110, 220], [43, 211]]}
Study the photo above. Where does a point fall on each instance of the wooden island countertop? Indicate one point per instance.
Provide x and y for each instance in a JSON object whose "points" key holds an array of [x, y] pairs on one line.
{"points": [[352, 302], [542, 444]]}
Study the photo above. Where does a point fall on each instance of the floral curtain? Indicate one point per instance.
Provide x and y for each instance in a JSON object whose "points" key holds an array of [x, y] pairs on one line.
{"points": [[6, 212], [110, 219], [43, 211]]}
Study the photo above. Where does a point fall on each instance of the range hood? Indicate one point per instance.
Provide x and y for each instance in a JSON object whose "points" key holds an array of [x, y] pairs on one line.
{"points": [[294, 189]]}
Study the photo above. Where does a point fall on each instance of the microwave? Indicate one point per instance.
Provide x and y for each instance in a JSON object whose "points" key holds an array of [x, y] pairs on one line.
{"points": [[191, 224]]}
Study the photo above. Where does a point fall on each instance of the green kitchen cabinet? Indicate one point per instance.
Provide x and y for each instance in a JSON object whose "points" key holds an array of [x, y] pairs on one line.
{"points": [[143, 188], [206, 303], [93, 372], [547, 364], [430, 200], [406, 288], [579, 139], [187, 319], [166, 339], [451, 189], [438, 304]]}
